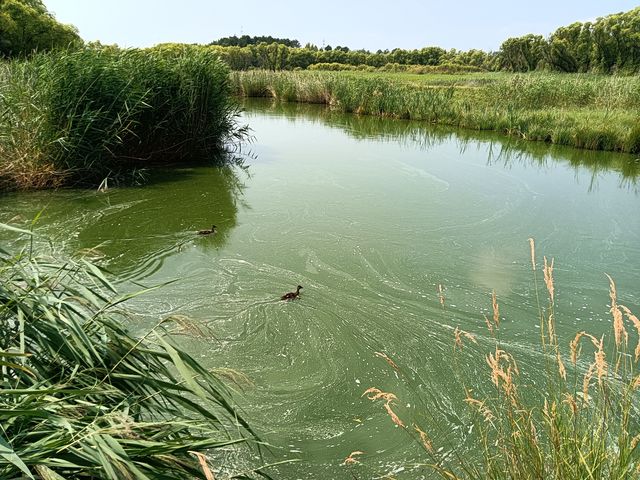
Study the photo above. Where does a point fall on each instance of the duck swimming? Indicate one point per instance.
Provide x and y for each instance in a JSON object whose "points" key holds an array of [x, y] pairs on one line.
{"points": [[208, 232], [291, 295]]}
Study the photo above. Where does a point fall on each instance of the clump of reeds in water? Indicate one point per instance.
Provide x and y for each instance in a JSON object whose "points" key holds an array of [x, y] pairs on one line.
{"points": [[80, 116], [580, 423], [82, 398]]}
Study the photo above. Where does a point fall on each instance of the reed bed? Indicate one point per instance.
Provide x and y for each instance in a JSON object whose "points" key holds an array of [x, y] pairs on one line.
{"points": [[580, 422], [82, 398], [585, 111], [80, 116]]}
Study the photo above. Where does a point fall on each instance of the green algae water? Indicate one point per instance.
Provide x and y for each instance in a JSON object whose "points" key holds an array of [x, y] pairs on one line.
{"points": [[370, 216]]}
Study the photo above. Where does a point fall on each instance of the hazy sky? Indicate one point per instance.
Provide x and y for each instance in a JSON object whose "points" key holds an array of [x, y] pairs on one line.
{"points": [[373, 24]]}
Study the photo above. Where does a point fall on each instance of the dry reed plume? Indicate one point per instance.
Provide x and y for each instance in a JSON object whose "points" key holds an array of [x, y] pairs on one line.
{"points": [[496, 309], [424, 439], [374, 394], [351, 459], [618, 325], [388, 360], [557, 428], [547, 272], [458, 334]]}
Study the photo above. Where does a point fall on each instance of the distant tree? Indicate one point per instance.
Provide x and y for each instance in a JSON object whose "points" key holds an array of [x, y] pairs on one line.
{"points": [[272, 56], [26, 26], [246, 40], [523, 54]]}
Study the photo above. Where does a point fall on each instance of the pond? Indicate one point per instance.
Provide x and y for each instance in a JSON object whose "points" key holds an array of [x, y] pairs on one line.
{"points": [[372, 217]]}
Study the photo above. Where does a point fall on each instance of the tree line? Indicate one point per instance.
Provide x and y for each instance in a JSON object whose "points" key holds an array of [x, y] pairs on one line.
{"points": [[610, 44]]}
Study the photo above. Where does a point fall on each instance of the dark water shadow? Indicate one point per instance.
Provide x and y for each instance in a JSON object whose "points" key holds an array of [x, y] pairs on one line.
{"points": [[132, 230], [504, 150]]}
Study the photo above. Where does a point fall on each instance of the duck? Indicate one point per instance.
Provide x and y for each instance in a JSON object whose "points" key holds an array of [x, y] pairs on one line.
{"points": [[208, 232], [292, 295]]}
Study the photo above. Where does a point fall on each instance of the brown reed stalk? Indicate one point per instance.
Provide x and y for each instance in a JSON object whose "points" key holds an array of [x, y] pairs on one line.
{"points": [[489, 326], [547, 272], [618, 325], [496, 309], [374, 394], [458, 334], [636, 323], [561, 370], [388, 360], [424, 439], [585, 383], [351, 459]]}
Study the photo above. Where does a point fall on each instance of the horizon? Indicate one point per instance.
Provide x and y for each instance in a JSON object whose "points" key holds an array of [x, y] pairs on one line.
{"points": [[484, 27]]}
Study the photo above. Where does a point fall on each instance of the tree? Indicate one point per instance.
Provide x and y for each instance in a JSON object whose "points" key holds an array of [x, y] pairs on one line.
{"points": [[26, 26], [523, 54]]}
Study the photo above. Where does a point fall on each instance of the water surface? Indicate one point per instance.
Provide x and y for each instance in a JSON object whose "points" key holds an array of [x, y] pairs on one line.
{"points": [[370, 216]]}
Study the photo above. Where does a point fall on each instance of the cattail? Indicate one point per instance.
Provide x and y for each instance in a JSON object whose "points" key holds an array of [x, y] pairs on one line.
{"points": [[634, 441], [636, 383], [547, 271], [351, 459], [532, 246], [424, 439], [618, 325], [496, 309]]}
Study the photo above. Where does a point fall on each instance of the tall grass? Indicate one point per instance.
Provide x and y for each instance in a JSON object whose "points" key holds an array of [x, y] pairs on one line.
{"points": [[579, 422], [83, 398], [80, 116], [585, 111]]}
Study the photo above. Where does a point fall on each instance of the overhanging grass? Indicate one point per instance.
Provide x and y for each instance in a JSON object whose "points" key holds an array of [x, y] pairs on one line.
{"points": [[82, 398]]}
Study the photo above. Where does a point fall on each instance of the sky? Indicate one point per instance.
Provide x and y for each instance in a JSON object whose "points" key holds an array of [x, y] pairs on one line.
{"points": [[372, 25]]}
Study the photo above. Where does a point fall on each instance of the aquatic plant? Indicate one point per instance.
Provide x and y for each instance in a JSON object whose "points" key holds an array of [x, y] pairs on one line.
{"points": [[79, 116], [81, 397], [594, 112], [579, 422]]}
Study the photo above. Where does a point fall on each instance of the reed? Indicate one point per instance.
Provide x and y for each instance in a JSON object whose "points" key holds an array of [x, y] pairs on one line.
{"points": [[80, 116], [83, 398], [579, 422], [594, 112]]}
